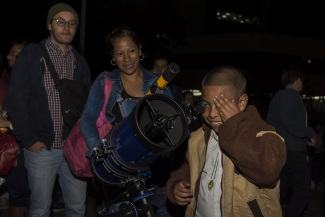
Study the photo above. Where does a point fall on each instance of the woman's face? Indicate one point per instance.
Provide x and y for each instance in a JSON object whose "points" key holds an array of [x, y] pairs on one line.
{"points": [[126, 55], [188, 100]]}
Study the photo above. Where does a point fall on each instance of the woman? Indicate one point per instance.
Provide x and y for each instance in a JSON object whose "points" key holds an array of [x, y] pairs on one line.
{"points": [[17, 179], [130, 82]]}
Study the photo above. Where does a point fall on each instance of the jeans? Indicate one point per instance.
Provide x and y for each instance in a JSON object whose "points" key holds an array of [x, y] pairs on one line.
{"points": [[295, 175], [43, 168], [159, 202]]}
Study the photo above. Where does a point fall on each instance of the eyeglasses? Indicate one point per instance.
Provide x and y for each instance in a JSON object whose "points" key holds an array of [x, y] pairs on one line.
{"points": [[61, 22], [13, 53]]}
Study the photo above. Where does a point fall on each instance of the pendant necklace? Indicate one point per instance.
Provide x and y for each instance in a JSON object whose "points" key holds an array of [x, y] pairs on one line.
{"points": [[214, 172]]}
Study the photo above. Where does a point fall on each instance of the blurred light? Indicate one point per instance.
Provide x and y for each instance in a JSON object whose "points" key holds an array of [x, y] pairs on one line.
{"points": [[161, 35], [309, 61], [240, 18], [195, 92]]}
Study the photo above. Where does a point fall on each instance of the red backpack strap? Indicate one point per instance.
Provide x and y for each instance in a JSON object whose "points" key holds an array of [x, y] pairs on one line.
{"points": [[107, 91]]}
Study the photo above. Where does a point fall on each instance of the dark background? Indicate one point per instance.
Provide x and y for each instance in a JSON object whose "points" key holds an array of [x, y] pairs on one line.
{"points": [[178, 19]]}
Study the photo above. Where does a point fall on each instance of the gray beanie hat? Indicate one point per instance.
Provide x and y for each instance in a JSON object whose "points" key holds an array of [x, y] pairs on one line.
{"points": [[55, 9]]}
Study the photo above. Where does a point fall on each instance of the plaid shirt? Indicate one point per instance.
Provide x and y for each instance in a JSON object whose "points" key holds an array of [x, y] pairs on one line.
{"points": [[64, 65]]}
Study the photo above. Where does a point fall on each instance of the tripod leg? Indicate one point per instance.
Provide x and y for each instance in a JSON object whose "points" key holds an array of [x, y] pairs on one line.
{"points": [[146, 201]]}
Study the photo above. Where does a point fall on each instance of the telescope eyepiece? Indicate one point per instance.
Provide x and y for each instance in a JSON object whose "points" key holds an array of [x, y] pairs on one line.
{"points": [[195, 109]]}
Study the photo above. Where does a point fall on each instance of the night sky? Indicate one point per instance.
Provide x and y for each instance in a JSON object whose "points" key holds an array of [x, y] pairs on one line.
{"points": [[27, 19]]}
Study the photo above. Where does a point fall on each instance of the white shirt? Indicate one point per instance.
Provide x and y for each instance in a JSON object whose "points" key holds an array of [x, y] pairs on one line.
{"points": [[208, 202]]}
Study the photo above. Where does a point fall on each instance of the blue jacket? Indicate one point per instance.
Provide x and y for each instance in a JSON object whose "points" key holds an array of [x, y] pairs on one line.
{"points": [[96, 99], [27, 98], [287, 114]]}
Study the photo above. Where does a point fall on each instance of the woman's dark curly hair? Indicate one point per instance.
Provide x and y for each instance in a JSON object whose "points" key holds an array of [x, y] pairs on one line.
{"points": [[123, 31]]}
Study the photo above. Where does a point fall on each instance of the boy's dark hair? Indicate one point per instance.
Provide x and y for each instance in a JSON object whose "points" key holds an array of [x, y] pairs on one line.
{"points": [[290, 74], [227, 76], [123, 31]]}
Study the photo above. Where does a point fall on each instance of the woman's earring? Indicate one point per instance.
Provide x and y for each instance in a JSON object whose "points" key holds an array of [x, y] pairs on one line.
{"points": [[113, 63], [142, 56]]}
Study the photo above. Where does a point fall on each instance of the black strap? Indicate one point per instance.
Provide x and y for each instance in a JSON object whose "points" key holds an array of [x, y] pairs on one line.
{"points": [[255, 208], [49, 64]]}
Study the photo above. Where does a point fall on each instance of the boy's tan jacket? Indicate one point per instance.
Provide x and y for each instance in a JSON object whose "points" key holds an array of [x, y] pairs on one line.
{"points": [[240, 197]]}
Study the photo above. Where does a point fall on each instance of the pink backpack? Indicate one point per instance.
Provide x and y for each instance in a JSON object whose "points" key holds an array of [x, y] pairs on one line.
{"points": [[75, 148]]}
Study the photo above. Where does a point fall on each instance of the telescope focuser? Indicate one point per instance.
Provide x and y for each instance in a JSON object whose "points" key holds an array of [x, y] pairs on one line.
{"points": [[100, 152]]}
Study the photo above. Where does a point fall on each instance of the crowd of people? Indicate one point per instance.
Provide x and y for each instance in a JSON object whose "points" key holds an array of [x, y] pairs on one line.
{"points": [[233, 163]]}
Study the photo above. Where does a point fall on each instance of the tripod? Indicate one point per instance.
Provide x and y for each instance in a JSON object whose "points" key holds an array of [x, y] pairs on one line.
{"points": [[134, 203]]}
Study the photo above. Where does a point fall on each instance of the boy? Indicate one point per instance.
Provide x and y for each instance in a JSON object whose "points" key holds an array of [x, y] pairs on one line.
{"points": [[233, 162]]}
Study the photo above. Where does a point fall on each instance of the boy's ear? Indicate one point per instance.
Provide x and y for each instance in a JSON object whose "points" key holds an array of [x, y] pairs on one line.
{"points": [[242, 102]]}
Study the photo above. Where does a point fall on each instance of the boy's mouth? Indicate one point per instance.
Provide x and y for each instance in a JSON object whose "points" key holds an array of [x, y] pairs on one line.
{"points": [[216, 123]]}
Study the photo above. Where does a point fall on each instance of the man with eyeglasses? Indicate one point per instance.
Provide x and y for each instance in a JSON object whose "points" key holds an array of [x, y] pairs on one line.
{"points": [[34, 110]]}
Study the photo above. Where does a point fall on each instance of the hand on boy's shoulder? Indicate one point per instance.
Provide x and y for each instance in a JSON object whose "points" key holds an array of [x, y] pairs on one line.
{"points": [[226, 107]]}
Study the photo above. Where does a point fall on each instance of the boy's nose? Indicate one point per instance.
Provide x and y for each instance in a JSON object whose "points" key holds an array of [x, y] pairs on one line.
{"points": [[214, 113]]}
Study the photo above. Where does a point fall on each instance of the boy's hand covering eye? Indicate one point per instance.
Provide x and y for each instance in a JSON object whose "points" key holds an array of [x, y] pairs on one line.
{"points": [[226, 107]]}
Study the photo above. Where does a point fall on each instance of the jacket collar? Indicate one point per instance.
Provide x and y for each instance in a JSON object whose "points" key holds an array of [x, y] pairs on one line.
{"points": [[207, 132], [75, 52]]}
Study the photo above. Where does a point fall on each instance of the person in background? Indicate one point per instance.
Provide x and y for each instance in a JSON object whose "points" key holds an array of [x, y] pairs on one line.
{"points": [[35, 112], [4, 194], [17, 46], [233, 162], [188, 101], [287, 113], [17, 179]]}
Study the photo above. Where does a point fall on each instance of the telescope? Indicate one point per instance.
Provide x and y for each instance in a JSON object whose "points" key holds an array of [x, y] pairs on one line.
{"points": [[157, 124]]}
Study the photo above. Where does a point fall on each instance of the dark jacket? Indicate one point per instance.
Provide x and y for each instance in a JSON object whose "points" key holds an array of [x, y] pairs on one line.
{"points": [[27, 98], [287, 114]]}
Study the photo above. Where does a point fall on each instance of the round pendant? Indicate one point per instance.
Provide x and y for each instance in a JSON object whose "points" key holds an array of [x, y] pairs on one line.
{"points": [[210, 185]]}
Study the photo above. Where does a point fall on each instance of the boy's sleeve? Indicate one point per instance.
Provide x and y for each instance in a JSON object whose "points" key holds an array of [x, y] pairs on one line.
{"points": [[254, 147], [182, 174]]}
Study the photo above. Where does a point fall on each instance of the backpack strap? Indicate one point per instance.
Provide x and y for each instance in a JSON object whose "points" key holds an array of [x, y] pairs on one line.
{"points": [[49, 63], [107, 91]]}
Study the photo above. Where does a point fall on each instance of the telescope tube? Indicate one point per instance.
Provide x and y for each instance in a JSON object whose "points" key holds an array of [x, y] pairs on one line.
{"points": [[161, 82]]}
